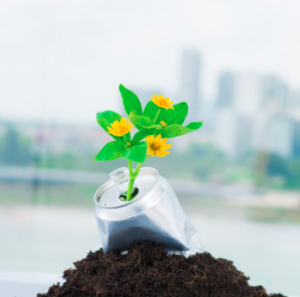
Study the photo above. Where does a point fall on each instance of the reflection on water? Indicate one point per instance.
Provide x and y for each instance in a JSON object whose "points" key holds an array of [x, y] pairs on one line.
{"points": [[49, 239]]}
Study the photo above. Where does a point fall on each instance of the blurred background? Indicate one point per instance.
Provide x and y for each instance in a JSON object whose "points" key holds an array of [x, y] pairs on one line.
{"points": [[237, 65]]}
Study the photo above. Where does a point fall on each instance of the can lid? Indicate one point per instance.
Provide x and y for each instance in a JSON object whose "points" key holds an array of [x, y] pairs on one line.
{"points": [[107, 196]]}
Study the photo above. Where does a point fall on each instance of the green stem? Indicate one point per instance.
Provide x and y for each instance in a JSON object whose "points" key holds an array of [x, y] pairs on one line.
{"points": [[156, 116], [131, 181], [132, 177], [137, 170]]}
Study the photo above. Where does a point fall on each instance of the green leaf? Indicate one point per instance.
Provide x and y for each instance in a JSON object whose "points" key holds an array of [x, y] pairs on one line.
{"points": [[111, 151], [178, 130], [106, 118], [151, 110], [169, 116], [130, 101], [140, 122], [136, 153], [178, 115], [138, 136]]}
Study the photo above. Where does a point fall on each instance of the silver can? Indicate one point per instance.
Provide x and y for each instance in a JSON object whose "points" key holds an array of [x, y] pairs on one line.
{"points": [[154, 214]]}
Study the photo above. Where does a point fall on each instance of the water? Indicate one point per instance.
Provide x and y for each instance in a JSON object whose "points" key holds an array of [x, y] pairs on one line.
{"points": [[47, 240]]}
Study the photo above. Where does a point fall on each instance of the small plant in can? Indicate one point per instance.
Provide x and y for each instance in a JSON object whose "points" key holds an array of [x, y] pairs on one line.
{"points": [[159, 120]]}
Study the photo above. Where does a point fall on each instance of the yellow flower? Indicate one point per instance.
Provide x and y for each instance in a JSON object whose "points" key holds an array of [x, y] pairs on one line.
{"points": [[164, 124], [157, 146], [120, 128], [162, 102]]}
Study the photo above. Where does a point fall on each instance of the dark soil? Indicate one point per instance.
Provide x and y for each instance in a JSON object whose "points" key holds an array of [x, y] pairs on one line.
{"points": [[147, 270]]}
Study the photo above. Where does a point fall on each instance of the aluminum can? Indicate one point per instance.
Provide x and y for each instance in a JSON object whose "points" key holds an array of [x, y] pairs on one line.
{"points": [[154, 215]]}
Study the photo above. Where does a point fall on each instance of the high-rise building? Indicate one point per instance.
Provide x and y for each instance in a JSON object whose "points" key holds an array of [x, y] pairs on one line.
{"points": [[226, 89], [275, 93], [190, 82], [296, 140], [233, 133], [238, 104], [256, 112]]}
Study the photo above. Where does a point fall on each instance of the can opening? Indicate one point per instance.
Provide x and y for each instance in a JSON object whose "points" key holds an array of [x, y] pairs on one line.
{"points": [[123, 196]]}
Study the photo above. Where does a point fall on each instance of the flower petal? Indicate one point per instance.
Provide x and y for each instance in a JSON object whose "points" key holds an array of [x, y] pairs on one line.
{"points": [[115, 124], [149, 139], [158, 138], [161, 154], [150, 152], [166, 146], [163, 141]]}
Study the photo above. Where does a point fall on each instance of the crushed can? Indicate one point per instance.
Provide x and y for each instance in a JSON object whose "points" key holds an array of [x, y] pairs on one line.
{"points": [[154, 214]]}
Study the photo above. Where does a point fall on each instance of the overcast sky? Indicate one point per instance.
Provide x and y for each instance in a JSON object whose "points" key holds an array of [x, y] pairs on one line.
{"points": [[62, 60]]}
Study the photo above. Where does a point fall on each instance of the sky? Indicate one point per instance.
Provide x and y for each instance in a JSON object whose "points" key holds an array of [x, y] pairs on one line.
{"points": [[62, 60]]}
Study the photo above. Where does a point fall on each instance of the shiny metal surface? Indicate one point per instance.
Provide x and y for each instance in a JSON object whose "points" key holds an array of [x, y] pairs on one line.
{"points": [[154, 215]]}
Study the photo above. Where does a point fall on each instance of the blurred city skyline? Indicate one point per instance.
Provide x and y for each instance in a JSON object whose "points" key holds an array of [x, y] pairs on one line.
{"points": [[63, 61]]}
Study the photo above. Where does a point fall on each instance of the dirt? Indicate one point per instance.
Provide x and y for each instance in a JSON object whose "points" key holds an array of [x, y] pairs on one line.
{"points": [[147, 270]]}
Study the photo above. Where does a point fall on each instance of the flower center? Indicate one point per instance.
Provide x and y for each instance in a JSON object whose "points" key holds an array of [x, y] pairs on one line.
{"points": [[155, 146], [123, 129], [163, 102]]}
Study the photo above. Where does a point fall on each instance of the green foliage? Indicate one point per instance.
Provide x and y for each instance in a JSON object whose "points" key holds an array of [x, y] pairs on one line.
{"points": [[136, 153], [117, 149], [144, 125], [106, 118], [178, 130], [151, 110], [169, 116], [130, 101], [111, 151], [140, 122], [138, 136], [14, 149], [148, 122], [174, 116]]}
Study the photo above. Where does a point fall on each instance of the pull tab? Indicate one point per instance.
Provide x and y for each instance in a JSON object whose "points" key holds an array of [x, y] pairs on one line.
{"points": [[121, 178]]}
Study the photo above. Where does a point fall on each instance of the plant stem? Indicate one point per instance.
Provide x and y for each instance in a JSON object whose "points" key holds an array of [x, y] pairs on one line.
{"points": [[131, 181], [132, 177], [137, 170], [156, 116]]}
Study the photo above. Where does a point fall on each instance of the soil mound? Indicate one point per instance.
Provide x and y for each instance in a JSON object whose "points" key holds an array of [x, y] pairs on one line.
{"points": [[147, 270]]}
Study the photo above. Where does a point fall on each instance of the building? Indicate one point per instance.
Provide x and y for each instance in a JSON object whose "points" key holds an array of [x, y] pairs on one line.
{"points": [[226, 89], [296, 140], [238, 104], [190, 82], [275, 94]]}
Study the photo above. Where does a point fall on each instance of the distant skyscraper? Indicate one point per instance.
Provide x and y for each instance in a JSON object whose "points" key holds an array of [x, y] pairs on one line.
{"points": [[238, 104], [226, 89], [233, 133], [296, 140], [190, 80], [275, 93]]}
